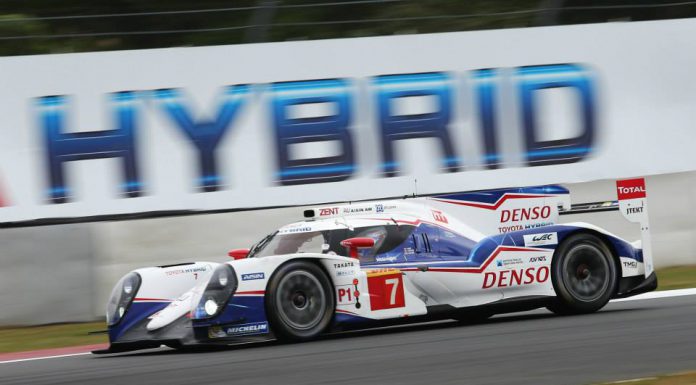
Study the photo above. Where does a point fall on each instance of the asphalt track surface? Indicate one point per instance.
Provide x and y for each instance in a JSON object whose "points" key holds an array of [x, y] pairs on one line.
{"points": [[625, 340]]}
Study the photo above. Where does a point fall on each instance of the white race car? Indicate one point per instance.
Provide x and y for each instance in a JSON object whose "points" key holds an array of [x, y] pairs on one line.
{"points": [[463, 256]]}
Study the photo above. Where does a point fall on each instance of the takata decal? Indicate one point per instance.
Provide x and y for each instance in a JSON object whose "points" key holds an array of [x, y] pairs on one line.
{"points": [[541, 239]]}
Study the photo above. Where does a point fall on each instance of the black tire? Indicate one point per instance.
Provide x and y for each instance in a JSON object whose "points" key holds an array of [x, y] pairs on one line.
{"points": [[299, 301], [584, 275]]}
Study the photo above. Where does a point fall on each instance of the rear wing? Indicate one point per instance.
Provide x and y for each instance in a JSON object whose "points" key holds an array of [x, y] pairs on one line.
{"points": [[633, 203]]}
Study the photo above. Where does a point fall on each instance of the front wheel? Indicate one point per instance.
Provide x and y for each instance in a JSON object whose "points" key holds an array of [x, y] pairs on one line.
{"points": [[584, 275], [300, 303]]}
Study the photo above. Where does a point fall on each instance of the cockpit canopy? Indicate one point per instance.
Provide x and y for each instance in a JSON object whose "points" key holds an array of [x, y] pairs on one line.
{"points": [[315, 239]]}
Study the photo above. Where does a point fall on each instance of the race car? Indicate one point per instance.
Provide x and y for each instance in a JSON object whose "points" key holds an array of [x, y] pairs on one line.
{"points": [[464, 256]]}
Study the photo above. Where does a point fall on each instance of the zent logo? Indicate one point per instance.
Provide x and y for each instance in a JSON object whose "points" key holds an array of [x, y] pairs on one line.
{"points": [[328, 211]]}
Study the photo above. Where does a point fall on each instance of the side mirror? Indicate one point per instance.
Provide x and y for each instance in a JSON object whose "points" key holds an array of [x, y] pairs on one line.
{"points": [[238, 253], [353, 244]]}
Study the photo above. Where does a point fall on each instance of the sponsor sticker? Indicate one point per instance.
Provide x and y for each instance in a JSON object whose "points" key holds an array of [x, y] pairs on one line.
{"points": [[324, 211], [238, 330], [516, 277], [439, 216], [386, 258], [507, 262], [253, 276], [541, 239], [630, 189]]}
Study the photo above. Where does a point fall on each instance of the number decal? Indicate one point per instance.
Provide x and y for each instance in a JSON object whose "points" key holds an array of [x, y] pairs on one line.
{"points": [[394, 283], [386, 289], [345, 295]]}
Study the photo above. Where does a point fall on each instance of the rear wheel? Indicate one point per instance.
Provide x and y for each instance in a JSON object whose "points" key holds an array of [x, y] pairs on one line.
{"points": [[299, 303], [584, 275]]}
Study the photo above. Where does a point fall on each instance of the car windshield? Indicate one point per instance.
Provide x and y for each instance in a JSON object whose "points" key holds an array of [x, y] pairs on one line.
{"points": [[386, 237]]}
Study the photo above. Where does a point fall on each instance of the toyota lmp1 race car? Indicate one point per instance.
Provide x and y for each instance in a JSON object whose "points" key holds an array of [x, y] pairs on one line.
{"points": [[462, 256]]}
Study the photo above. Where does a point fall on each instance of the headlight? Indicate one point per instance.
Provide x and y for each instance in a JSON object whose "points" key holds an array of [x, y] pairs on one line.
{"points": [[121, 297], [221, 286]]}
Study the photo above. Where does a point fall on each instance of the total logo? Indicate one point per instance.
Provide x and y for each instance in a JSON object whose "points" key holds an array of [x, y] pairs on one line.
{"points": [[631, 190], [518, 277]]}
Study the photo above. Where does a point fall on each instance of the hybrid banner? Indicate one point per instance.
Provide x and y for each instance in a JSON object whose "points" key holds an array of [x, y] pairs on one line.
{"points": [[293, 123]]}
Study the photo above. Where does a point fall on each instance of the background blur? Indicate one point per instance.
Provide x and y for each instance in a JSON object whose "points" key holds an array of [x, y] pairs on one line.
{"points": [[61, 271], [46, 26]]}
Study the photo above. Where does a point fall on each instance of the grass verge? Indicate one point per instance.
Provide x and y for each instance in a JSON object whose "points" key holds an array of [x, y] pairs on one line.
{"points": [[678, 277], [688, 378], [17, 339]]}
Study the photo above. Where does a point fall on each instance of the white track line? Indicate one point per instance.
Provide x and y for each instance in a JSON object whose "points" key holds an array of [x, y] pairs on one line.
{"points": [[45, 358], [659, 294], [651, 295]]}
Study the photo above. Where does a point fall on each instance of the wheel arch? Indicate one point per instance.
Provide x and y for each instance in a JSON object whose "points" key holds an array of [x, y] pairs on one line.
{"points": [[606, 240]]}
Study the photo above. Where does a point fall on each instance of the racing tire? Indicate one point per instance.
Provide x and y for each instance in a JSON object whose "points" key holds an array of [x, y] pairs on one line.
{"points": [[300, 301], [584, 275]]}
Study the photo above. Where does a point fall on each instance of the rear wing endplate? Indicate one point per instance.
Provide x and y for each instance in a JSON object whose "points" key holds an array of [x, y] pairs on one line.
{"points": [[633, 204]]}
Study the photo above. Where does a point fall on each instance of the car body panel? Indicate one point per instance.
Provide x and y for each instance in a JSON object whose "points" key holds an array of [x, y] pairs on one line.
{"points": [[456, 251]]}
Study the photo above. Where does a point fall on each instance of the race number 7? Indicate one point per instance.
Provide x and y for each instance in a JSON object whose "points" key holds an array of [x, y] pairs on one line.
{"points": [[394, 283], [386, 290]]}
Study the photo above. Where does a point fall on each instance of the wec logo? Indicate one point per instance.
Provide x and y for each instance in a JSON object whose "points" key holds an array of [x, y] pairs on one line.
{"points": [[540, 239], [543, 237]]}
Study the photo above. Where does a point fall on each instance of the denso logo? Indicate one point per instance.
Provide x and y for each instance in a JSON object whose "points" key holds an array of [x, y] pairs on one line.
{"points": [[517, 277], [328, 211], [525, 214]]}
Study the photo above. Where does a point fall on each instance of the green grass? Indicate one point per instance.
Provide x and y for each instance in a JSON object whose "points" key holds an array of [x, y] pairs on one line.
{"points": [[54, 336], [679, 277], [17, 339], [688, 378]]}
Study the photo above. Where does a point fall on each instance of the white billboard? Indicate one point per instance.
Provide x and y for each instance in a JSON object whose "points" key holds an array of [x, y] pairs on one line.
{"points": [[259, 125]]}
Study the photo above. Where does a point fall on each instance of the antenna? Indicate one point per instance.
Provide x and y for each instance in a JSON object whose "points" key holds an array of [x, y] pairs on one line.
{"points": [[415, 187]]}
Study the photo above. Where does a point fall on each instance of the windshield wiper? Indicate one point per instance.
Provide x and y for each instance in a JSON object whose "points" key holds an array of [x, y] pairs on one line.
{"points": [[262, 243]]}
